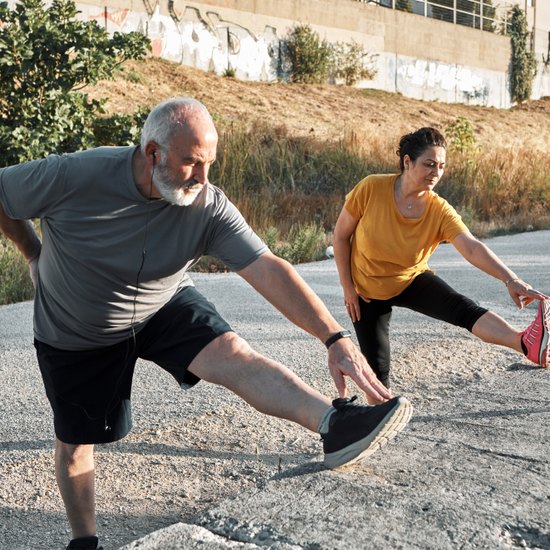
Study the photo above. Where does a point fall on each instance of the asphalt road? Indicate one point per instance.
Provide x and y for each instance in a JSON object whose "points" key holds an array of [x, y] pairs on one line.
{"points": [[472, 470]]}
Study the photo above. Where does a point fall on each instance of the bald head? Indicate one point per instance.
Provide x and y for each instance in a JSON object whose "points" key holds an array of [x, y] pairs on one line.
{"points": [[179, 116]]}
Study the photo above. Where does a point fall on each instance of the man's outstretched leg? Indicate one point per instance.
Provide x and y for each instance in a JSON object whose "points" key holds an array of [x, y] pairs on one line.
{"points": [[349, 431], [75, 475]]}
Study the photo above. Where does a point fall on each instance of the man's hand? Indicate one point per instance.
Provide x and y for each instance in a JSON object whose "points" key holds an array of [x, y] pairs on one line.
{"points": [[277, 281], [344, 359]]}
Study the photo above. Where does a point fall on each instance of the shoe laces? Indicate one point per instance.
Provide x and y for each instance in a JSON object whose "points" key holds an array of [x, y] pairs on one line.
{"points": [[344, 406], [531, 333]]}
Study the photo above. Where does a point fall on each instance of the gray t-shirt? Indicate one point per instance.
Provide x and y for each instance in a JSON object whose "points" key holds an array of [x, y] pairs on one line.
{"points": [[97, 229]]}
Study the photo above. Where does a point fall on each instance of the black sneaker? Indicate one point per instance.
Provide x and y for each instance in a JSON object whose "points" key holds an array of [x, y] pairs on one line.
{"points": [[357, 431], [84, 543]]}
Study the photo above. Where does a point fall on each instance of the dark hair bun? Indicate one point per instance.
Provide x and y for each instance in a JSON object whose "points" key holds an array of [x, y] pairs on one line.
{"points": [[415, 143]]}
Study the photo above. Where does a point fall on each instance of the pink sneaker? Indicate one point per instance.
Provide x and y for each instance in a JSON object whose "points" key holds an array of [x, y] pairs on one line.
{"points": [[535, 336]]}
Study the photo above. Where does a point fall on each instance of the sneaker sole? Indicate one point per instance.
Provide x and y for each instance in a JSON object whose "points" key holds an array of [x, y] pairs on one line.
{"points": [[544, 356], [393, 423]]}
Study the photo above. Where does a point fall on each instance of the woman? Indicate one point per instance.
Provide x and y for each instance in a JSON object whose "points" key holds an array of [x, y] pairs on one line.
{"points": [[388, 228]]}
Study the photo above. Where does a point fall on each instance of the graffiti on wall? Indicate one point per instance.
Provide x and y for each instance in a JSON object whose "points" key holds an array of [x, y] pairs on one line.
{"points": [[463, 83], [201, 39], [205, 39], [111, 17]]}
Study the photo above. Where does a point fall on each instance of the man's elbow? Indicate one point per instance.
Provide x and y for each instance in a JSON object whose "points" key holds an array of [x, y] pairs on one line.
{"points": [[264, 265]]}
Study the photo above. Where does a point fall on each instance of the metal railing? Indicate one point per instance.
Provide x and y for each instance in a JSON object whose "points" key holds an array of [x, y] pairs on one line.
{"points": [[478, 14]]}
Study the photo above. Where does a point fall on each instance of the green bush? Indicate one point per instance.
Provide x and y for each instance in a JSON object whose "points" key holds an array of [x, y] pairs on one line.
{"points": [[15, 281], [352, 63], [309, 57], [460, 136], [46, 57], [311, 60], [230, 72], [303, 243], [119, 129]]}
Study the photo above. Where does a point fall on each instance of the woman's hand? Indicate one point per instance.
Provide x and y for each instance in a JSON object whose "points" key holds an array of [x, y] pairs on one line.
{"points": [[522, 293], [351, 303]]}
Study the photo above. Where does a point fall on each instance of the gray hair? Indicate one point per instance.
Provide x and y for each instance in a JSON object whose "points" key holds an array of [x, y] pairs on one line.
{"points": [[168, 117]]}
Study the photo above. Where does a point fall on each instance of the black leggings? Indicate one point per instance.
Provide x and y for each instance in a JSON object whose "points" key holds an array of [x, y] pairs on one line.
{"points": [[427, 294]]}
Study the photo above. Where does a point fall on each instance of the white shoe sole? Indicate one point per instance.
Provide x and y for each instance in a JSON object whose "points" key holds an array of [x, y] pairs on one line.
{"points": [[544, 356]]}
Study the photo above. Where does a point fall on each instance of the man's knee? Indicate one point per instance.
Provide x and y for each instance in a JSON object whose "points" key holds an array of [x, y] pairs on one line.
{"points": [[215, 362]]}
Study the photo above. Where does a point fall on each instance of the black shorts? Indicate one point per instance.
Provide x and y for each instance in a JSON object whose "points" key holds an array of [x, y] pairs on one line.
{"points": [[89, 391]]}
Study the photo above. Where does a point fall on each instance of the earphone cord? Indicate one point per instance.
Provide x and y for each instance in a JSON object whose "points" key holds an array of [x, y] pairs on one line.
{"points": [[132, 322], [143, 255], [134, 303]]}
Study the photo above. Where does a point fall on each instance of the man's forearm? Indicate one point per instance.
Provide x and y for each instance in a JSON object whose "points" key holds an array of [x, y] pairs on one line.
{"points": [[22, 233], [283, 287]]}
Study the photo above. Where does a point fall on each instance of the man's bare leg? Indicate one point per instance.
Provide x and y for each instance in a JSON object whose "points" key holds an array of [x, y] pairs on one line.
{"points": [[268, 386], [349, 433], [75, 474]]}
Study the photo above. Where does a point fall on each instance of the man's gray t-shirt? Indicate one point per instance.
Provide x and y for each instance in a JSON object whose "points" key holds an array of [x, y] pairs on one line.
{"points": [[97, 229]]}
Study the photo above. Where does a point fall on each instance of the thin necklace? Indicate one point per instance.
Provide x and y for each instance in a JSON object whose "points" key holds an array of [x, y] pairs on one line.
{"points": [[409, 205]]}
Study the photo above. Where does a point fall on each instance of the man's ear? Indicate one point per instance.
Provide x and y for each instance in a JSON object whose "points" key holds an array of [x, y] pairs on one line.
{"points": [[150, 152]]}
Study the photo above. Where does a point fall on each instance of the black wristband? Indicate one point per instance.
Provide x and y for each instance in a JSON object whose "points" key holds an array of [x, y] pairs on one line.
{"points": [[336, 337]]}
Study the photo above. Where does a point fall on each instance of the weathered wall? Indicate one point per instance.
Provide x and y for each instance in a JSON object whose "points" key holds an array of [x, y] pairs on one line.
{"points": [[540, 19], [538, 23], [416, 56]]}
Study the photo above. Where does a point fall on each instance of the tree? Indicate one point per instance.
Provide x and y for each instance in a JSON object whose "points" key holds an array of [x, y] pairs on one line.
{"points": [[489, 15], [404, 5], [524, 63], [46, 57]]}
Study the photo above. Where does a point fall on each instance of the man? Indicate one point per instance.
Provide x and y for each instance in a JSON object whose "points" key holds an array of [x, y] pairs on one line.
{"points": [[120, 228]]}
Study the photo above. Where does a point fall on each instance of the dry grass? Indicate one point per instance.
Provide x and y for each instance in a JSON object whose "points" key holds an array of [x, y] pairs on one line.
{"points": [[324, 112], [284, 146], [289, 152]]}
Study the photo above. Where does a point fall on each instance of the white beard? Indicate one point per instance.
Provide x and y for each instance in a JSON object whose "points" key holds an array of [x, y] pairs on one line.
{"points": [[177, 196], [172, 192]]}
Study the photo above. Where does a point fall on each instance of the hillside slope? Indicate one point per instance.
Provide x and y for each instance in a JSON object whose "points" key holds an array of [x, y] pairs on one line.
{"points": [[326, 111]]}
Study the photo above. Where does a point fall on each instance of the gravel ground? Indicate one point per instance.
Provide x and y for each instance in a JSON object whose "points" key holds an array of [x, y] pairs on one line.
{"points": [[191, 450]]}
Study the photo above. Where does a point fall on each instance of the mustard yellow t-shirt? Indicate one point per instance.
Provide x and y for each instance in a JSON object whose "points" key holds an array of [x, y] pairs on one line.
{"points": [[388, 250]]}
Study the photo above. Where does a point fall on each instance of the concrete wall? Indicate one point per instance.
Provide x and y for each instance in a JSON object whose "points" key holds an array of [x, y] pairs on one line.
{"points": [[540, 23], [416, 56]]}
